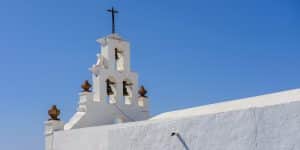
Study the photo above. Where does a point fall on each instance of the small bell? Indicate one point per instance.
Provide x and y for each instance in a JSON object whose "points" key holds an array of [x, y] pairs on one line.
{"points": [[125, 91], [109, 90], [116, 54]]}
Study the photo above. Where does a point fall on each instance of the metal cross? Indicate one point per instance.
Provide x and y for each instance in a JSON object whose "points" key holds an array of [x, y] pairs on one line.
{"points": [[113, 12]]}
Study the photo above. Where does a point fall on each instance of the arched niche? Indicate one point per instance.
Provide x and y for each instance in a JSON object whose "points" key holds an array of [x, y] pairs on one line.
{"points": [[119, 57], [127, 91], [111, 90]]}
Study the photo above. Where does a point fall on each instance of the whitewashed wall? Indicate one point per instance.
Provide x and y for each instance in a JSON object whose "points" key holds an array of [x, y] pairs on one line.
{"points": [[268, 127]]}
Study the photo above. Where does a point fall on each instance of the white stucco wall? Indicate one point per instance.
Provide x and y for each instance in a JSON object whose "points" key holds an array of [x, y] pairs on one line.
{"points": [[269, 122]]}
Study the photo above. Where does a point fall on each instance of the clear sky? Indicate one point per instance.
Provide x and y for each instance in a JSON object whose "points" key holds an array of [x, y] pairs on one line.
{"points": [[187, 53]]}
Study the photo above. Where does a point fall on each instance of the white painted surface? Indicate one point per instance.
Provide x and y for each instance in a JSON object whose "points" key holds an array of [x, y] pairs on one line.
{"points": [[246, 103], [51, 126], [269, 122]]}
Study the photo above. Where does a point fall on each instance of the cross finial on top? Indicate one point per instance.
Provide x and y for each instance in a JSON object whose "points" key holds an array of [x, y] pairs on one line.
{"points": [[113, 12]]}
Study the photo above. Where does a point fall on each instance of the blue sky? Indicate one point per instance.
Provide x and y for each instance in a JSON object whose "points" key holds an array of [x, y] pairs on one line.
{"points": [[187, 53]]}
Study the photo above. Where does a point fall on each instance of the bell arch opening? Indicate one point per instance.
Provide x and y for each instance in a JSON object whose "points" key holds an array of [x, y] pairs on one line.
{"points": [[127, 91], [119, 60], [111, 90]]}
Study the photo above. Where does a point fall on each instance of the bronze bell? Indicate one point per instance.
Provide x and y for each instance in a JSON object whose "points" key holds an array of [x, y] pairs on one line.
{"points": [[54, 112], [86, 86], [125, 92], [142, 91], [125, 88], [109, 90]]}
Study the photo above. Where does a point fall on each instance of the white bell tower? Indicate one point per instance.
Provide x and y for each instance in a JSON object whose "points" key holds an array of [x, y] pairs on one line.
{"points": [[112, 78], [115, 95]]}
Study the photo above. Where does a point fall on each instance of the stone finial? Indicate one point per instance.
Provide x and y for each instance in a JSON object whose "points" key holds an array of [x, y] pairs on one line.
{"points": [[142, 91], [86, 86], [54, 112]]}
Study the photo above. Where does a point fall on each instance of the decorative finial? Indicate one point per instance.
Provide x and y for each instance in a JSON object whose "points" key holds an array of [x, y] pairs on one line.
{"points": [[86, 86], [142, 91], [54, 112]]}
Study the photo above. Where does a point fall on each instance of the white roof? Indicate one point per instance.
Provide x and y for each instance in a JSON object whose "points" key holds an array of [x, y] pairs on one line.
{"points": [[235, 105]]}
